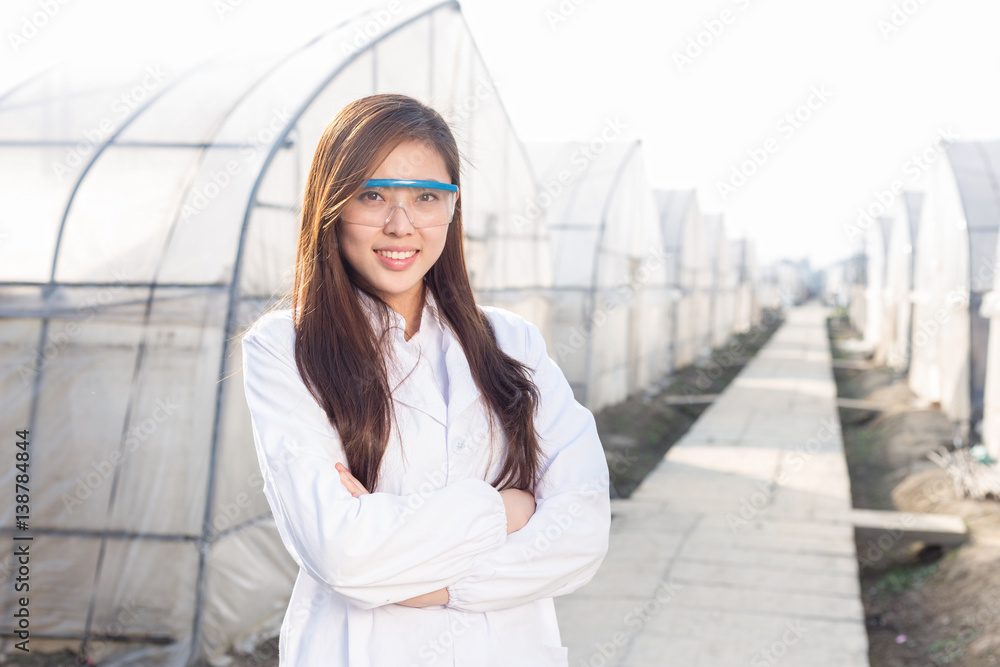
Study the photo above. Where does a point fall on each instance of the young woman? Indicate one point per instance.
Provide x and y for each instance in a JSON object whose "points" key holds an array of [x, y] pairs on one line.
{"points": [[426, 463]]}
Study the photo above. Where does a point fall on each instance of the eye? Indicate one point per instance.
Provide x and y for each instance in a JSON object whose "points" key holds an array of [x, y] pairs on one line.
{"points": [[370, 196], [427, 197]]}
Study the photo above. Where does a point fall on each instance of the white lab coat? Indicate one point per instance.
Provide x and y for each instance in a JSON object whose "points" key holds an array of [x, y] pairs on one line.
{"points": [[435, 521]]}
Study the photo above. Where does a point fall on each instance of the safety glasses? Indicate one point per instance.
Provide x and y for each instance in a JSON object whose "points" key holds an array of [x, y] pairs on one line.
{"points": [[425, 203]]}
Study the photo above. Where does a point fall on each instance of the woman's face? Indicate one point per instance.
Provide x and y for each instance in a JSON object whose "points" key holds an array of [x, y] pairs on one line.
{"points": [[397, 281]]}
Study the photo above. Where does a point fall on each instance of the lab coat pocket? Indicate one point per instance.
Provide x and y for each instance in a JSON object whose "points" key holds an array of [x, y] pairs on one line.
{"points": [[558, 656]]}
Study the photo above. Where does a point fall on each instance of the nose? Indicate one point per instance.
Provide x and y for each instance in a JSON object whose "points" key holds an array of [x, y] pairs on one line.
{"points": [[399, 224]]}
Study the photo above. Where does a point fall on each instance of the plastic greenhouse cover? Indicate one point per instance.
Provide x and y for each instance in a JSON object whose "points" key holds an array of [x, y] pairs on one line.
{"points": [[32, 193], [675, 215], [602, 202], [218, 86], [976, 165], [914, 203], [122, 215], [73, 103], [152, 510], [713, 236]]}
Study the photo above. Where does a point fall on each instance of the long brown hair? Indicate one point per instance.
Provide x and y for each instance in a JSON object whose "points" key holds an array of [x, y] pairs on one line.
{"points": [[336, 349]]}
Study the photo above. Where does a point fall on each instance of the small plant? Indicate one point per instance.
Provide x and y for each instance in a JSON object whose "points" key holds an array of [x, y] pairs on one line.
{"points": [[906, 577], [947, 651]]}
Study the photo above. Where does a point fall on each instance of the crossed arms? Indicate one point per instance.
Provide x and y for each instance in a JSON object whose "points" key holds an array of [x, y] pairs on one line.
{"points": [[381, 548]]}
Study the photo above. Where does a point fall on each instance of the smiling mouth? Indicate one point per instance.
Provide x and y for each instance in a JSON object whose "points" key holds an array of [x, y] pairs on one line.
{"points": [[397, 255]]}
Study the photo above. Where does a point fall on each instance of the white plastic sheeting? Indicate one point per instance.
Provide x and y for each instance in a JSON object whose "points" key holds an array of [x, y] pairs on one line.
{"points": [[609, 294], [876, 249], [140, 238], [955, 266], [722, 308], [857, 289], [747, 309], [894, 342], [836, 289], [783, 284], [990, 311], [689, 276]]}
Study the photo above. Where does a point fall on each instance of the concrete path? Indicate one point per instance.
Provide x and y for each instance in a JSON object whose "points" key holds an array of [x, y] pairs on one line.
{"points": [[738, 548]]}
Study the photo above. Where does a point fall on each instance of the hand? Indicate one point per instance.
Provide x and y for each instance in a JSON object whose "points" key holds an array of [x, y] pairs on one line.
{"points": [[440, 596], [348, 480], [520, 505]]}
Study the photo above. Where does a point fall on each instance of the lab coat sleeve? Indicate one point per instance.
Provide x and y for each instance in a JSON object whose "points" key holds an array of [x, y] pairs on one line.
{"points": [[374, 550], [565, 541]]}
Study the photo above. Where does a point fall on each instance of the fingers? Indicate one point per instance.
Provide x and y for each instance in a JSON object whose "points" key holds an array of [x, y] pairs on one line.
{"points": [[355, 487], [347, 479]]}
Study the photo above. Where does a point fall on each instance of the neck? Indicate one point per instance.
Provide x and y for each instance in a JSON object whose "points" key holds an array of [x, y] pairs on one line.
{"points": [[410, 306]]}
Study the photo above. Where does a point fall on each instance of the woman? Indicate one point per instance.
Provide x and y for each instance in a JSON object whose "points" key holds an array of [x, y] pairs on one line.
{"points": [[425, 461]]}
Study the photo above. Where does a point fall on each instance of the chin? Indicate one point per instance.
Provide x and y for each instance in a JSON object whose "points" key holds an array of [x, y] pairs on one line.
{"points": [[395, 287]]}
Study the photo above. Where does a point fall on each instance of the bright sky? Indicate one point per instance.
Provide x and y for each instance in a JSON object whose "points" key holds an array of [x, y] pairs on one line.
{"points": [[883, 77]]}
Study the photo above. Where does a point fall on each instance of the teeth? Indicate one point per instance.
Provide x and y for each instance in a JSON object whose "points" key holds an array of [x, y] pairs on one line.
{"points": [[397, 255]]}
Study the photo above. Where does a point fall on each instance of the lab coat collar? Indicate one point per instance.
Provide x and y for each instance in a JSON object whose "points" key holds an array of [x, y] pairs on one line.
{"points": [[404, 381]]}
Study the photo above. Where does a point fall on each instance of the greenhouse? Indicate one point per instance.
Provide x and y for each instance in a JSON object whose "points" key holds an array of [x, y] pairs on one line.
{"points": [[894, 346], [747, 311], [954, 267], [784, 284], [609, 269], [689, 276], [857, 287], [835, 285], [722, 310], [876, 248], [156, 236]]}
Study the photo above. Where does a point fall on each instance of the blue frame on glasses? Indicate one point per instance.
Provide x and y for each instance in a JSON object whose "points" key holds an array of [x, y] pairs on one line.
{"points": [[406, 183]]}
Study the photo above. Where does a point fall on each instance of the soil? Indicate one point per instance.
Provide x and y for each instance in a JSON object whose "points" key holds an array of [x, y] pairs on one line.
{"points": [[925, 606]]}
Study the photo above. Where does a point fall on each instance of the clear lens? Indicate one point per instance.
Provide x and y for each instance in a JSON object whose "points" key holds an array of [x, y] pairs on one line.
{"points": [[425, 207]]}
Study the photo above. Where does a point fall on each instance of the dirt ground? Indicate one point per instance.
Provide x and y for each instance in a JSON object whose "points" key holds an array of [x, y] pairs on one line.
{"points": [[636, 434], [924, 606]]}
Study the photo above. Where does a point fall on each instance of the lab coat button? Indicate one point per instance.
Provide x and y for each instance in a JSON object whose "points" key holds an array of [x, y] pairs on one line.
{"points": [[458, 445]]}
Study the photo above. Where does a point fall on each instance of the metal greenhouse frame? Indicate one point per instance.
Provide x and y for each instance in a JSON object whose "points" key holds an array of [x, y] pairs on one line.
{"points": [[128, 273]]}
